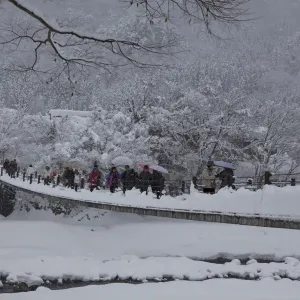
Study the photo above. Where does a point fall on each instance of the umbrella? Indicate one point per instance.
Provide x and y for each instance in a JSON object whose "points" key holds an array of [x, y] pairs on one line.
{"points": [[155, 167], [159, 169], [224, 164], [122, 161]]}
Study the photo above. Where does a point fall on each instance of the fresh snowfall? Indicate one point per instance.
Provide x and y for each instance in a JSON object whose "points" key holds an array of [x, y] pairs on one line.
{"points": [[180, 105]]}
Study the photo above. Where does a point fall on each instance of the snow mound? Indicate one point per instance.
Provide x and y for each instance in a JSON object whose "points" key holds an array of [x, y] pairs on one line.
{"points": [[28, 279], [134, 268], [42, 289]]}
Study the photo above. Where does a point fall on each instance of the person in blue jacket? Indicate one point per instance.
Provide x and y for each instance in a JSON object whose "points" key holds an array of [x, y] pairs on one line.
{"points": [[113, 179]]}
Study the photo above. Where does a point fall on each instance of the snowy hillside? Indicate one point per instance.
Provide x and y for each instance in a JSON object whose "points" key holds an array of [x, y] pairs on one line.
{"points": [[234, 99]]}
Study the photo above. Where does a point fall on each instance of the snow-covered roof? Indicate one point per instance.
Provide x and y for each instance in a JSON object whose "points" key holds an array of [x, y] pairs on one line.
{"points": [[54, 113]]}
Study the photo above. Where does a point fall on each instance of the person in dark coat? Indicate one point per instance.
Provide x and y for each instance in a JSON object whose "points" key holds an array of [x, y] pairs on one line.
{"points": [[13, 167], [227, 178], [71, 178], [9, 170], [145, 179], [65, 176], [128, 179], [268, 176], [113, 179], [157, 183], [47, 176], [6, 165]]}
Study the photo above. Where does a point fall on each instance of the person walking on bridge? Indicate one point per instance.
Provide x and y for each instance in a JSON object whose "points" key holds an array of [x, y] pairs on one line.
{"points": [[145, 179], [157, 183], [209, 178], [227, 178], [94, 179], [47, 175], [65, 176], [6, 165], [128, 179], [113, 179], [29, 172], [77, 180], [13, 168]]}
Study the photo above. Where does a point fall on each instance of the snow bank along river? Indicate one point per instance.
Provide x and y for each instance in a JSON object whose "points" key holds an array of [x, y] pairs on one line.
{"points": [[92, 246]]}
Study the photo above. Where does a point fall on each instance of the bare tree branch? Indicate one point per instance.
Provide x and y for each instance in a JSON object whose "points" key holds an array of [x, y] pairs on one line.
{"points": [[74, 50], [206, 11]]}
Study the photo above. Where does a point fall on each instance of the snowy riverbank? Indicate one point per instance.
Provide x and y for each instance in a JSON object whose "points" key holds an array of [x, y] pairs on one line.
{"points": [[49, 270], [107, 246], [271, 201]]}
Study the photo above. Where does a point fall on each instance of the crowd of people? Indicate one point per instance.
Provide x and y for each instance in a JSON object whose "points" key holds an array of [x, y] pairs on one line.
{"points": [[11, 167], [126, 180]]}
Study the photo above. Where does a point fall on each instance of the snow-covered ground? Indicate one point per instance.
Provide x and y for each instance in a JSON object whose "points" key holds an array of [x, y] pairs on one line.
{"points": [[37, 246], [272, 200], [213, 290]]}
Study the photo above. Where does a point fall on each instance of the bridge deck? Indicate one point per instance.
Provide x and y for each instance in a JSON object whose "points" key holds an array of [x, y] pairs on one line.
{"points": [[157, 209]]}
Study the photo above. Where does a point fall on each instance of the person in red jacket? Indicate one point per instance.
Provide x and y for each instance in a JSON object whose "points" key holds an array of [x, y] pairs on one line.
{"points": [[94, 179]]}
